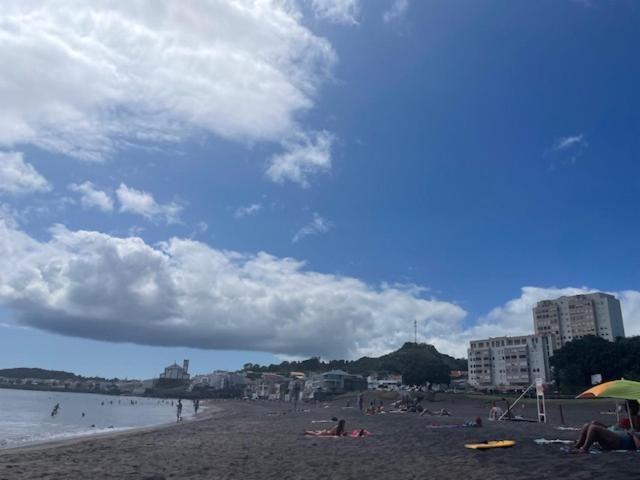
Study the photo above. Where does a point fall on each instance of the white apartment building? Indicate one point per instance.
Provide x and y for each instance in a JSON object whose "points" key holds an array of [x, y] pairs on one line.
{"points": [[509, 363], [572, 317], [219, 380]]}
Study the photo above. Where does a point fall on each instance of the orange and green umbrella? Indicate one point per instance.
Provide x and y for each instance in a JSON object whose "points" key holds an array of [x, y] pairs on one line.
{"points": [[622, 389]]}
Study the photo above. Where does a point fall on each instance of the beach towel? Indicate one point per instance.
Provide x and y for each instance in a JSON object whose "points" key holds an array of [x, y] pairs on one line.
{"points": [[545, 441], [490, 444], [456, 425], [321, 421], [460, 425], [469, 423], [565, 449], [574, 429]]}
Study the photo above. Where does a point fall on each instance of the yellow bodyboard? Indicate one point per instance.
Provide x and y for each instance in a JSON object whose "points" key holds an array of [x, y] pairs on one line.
{"points": [[492, 444]]}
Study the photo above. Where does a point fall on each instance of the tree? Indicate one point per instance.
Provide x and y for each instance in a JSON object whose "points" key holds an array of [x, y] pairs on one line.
{"points": [[419, 373], [577, 360]]}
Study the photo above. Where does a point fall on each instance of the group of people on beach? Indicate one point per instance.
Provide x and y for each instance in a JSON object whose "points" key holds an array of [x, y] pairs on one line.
{"points": [[372, 409], [339, 430], [624, 435], [196, 407]]}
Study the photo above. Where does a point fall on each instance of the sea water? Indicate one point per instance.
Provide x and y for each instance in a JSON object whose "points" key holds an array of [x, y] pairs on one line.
{"points": [[25, 415]]}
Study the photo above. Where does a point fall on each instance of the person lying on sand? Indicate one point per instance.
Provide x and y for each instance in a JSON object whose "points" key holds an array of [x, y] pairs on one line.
{"points": [[608, 439], [615, 437], [440, 413], [337, 431]]}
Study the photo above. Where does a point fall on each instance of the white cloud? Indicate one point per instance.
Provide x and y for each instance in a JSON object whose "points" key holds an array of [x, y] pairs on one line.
{"points": [[184, 293], [306, 155], [344, 12], [142, 203], [317, 226], [567, 150], [564, 143], [90, 197], [18, 177], [252, 209], [396, 12], [88, 78]]}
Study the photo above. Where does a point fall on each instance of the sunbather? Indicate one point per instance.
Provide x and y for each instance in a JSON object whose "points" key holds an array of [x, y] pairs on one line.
{"points": [[616, 437], [439, 413], [337, 431], [608, 439]]}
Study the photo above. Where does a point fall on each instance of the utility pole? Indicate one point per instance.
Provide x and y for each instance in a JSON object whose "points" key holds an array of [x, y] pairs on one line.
{"points": [[415, 332]]}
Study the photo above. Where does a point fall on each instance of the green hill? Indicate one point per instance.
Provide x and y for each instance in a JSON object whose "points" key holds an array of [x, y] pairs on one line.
{"points": [[416, 362], [38, 373]]}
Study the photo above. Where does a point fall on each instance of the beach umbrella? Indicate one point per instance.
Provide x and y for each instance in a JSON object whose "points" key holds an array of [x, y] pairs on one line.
{"points": [[623, 389], [619, 389]]}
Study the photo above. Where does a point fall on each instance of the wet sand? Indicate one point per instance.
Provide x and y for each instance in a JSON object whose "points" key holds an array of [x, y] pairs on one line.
{"points": [[264, 440]]}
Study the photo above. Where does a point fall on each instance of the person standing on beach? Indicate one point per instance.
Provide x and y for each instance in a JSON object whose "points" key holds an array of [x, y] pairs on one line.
{"points": [[295, 395], [361, 402], [196, 405], [179, 410]]}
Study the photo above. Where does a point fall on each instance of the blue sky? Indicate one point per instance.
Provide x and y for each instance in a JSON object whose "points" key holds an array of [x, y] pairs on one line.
{"points": [[452, 162]]}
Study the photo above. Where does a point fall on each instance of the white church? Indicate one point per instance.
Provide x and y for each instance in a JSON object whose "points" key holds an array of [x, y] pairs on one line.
{"points": [[177, 372]]}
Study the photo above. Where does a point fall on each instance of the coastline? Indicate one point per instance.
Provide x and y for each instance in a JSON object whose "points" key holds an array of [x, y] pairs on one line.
{"points": [[28, 388], [247, 440], [208, 411]]}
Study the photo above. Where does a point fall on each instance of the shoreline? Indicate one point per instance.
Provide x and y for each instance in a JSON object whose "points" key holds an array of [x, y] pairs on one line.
{"points": [[87, 392], [208, 412], [247, 440]]}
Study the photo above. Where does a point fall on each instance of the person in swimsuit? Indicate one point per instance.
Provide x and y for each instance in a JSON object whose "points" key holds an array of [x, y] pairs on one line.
{"points": [[608, 439], [611, 438], [337, 431]]}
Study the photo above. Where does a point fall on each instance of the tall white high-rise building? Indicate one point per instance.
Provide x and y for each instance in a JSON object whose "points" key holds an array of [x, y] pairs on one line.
{"points": [[572, 317]]}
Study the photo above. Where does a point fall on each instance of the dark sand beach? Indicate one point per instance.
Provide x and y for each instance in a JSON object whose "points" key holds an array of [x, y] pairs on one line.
{"points": [[263, 440]]}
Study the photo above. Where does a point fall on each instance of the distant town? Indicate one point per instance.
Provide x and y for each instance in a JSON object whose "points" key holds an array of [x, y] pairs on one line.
{"points": [[509, 363]]}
